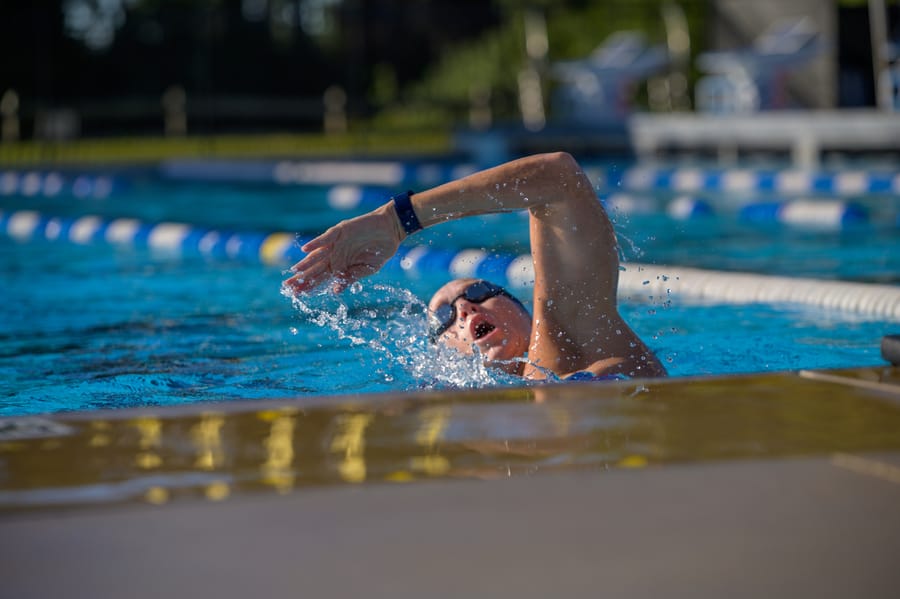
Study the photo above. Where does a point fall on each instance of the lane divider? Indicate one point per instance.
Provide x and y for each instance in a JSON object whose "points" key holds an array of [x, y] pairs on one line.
{"points": [[661, 282], [810, 213], [637, 282], [386, 173], [815, 213], [389, 173], [171, 238], [350, 197], [366, 194], [819, 213], [55, 183], [784, 182]]}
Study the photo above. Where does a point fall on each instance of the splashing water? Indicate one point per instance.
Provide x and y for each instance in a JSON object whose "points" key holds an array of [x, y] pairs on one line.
{"points": [[389, 325]]}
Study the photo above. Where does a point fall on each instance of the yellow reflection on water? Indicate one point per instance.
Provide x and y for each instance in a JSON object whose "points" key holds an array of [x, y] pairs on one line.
{"points": [[207, 438], [633, 461], [99, 434], [157, 495], [277, 469], [217, 491], [150, 432], [349, 440], [561, 419], [434, 423]]}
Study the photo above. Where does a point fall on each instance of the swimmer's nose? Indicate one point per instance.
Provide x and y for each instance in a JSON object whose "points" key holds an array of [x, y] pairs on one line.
{"points": [[464, 309]]}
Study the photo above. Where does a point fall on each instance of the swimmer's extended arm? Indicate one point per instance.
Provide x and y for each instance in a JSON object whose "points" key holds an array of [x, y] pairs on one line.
{"points": [[360, 246]]}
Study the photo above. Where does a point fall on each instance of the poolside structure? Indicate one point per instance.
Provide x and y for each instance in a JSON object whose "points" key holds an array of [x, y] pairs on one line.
{"points": [[803, 136], [597, 89], [778, 485]]}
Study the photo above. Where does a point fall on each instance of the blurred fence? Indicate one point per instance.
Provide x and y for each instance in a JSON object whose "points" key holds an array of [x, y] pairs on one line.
{"points": [[174, 113]]}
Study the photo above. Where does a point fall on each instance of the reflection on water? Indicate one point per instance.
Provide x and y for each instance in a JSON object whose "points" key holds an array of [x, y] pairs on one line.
{"points": [[287, 446]]}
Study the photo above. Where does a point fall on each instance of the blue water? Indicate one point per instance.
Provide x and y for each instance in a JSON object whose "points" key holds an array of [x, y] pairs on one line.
{"points": [[87, 327]]}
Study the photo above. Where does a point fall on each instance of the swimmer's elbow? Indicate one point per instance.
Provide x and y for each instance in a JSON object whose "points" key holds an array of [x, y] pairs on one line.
{"points": [[561, 168], [561, 162]]}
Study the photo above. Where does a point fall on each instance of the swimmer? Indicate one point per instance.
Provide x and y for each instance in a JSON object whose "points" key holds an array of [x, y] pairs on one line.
{"points": [[576, 328]]}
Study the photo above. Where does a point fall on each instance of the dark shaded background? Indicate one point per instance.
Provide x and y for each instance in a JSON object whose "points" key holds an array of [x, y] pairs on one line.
{"points": [[255, 65]]}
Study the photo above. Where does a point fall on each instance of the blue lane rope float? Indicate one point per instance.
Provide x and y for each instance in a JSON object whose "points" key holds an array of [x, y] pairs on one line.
{"points": [[814, 213], [55, 183], [782, 182], [637, 282], [385, 173], [357, 197]]}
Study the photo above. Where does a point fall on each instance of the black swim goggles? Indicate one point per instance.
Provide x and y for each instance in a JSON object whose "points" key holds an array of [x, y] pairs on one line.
{"points": [[443, 317]]}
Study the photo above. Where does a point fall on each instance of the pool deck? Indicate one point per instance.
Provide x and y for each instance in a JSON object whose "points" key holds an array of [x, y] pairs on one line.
{"points": [[768, 485]]}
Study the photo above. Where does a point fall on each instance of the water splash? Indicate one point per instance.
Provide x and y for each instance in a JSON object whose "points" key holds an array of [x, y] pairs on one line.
{"points": [[387, 326]]}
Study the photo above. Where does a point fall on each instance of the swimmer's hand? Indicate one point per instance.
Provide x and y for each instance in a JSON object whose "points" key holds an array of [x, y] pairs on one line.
{"points": [[348, 251]]}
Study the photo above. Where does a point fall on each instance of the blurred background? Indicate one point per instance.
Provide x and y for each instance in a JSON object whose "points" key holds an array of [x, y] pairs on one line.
{"points": [[151, 68]]}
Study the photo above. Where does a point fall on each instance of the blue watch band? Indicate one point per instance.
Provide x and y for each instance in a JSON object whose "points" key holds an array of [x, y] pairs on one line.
{"points": [[408, 218]]}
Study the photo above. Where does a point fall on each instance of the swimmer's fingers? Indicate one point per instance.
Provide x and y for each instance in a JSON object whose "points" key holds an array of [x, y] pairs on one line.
{"points": [[314, 257], [301, 283], [311, 272]]}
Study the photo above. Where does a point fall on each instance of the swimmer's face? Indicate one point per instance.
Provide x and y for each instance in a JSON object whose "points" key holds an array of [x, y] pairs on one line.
{"points": [[498, 326]]}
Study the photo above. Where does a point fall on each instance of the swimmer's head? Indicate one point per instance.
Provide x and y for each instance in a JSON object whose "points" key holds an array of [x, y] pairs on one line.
{"points": [[468, 313]]}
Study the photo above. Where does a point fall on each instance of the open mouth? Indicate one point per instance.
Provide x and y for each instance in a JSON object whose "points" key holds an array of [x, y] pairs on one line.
{"points": [[482, 329]]}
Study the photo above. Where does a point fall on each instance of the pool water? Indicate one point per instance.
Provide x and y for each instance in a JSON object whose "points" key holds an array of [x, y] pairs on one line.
{"points": [[95, 326]]}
